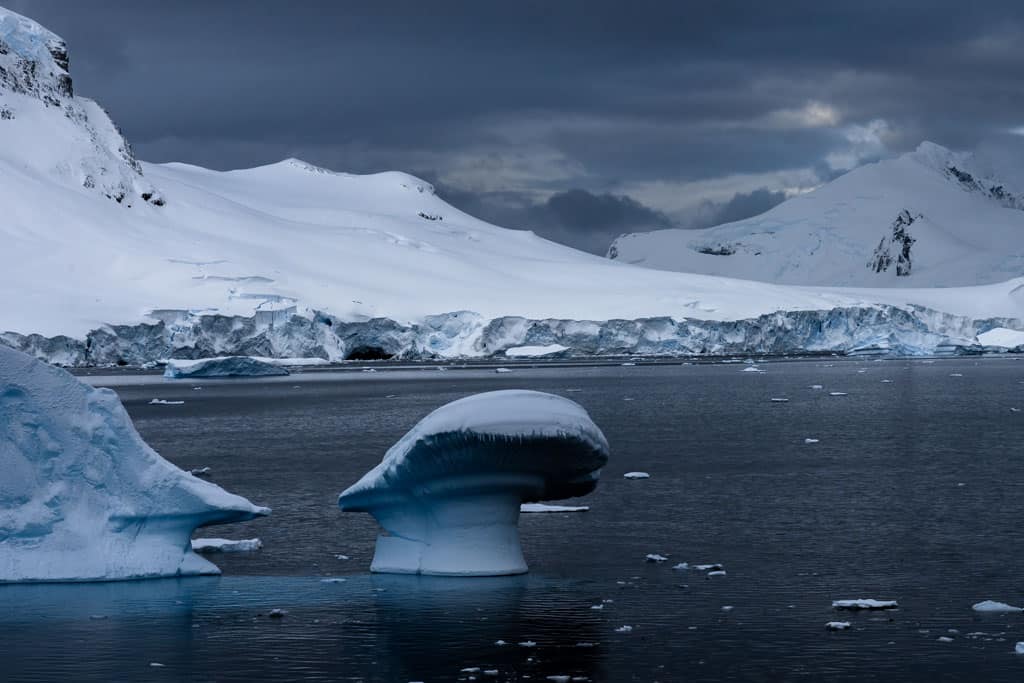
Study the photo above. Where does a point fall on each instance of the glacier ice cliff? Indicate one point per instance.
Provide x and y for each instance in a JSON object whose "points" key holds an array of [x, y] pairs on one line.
{"points": [[222, 366], [82, 497], [875, 329], [448, 494]]}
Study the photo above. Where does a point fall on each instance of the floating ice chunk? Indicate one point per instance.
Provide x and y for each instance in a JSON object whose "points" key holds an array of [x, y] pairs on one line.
{"points": [[1014, 410], [601, 606], [956, 374], [200, 472], [681, 566], [528, 643], [886, 381], [714, 567], [156, 665], [780, 400], [223, 545], [333, 580], [837, 625], [626, 628], [636, 475], [500, 643], [490, 672], [471, 670], [501, 371], [810, 440], [341, 557], [993, 606], [277, 613], [224, 366], [541, 507], [837, 393], [864, 603], [162, 402], [654, 557], [751, 368], [82, 497], [536, 351], [448, 494], [944, 639], [1019, 648], [628, 365], [717, 572], [1002, 337], [728, 608], [816, 386]]}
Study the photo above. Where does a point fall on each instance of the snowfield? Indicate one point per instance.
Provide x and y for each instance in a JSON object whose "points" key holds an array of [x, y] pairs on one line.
{"points": [[930, 218], [109, 260]]}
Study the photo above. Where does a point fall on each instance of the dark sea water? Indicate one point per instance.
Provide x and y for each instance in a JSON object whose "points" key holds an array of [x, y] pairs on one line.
{"points": [[914, 492]]}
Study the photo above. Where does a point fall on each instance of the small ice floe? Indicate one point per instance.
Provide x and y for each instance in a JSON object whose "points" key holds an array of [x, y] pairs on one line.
{"points": [[628, 365], [837, 393], [861, 372], [944, 639], [780, 400], [717, 572], [501, 371], [541, 507], [713, 567], [837, 625], [810, 440], [628, 398], [956, 374], [200, 472], [727, 608], [601, 606], [992, 606], [751, 368], [224, 545], [1014, 410], [816, 386], [277, 613], [585, 644], [864, 603], [681, 566], [500, 643], [655, 557], [1019, 648], [626, 628], [162, 402], [333, 580], [197, 388], [636, 475], [471, 670], [369, 370], [886, 381], [156, 665], [341, 557], [528, 643]]}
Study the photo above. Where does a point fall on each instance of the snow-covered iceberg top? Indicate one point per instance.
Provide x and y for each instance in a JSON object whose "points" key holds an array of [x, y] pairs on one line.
{"points": [[448, 494], [223, 366], [82, 497]]}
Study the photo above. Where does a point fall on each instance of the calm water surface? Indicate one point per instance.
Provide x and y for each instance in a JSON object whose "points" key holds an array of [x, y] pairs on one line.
{"points": [[913, 493]]}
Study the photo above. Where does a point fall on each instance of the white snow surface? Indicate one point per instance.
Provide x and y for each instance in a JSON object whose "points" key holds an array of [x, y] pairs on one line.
{"points": [[449, 493], [1001, 336], [970, 230], [82, 497], [223, 366], [535, 351]]}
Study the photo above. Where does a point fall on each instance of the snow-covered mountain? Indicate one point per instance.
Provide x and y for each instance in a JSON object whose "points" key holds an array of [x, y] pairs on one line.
{"points": [[105, 259], [929, 218]]}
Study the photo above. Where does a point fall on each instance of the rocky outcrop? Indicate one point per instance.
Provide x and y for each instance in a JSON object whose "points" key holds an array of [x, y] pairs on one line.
{"points": [[895, 248], [37, 99]]}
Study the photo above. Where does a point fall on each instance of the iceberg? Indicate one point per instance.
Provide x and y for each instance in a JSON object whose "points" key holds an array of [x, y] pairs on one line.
{"points": [[82, 497], [222, 366], [447, 496]]}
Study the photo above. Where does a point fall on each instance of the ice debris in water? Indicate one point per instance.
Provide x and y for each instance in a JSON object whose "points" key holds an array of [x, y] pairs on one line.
{"points": [[199, 471], [162, 402], [944, 639], [713, 567], [751, 368], [654, 557], [864, 603], [717, 572], [1019, 648], [837, 393], [681, 565], [448, 494], [223, 366], [624, 629], [501, 371], [528, 643], [817, 386], [837, 625], [636, 475], [810, 440], [780, 400], [223, 545], [993, 606], [82, 497], [541, 507]]}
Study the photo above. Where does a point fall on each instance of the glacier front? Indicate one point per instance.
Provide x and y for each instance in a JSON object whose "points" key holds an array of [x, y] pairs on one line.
{"points": [[82, 497]]}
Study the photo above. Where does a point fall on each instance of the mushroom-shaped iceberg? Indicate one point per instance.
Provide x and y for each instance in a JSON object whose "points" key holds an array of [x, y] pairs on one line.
{"points": [[447, 495], [82, 497]]}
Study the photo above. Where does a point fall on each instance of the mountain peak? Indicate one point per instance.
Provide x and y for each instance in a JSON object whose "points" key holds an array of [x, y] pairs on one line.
{"points": [[33, 60]]}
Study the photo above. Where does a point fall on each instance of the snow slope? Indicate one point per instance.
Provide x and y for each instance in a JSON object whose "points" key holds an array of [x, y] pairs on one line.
{"points": [[965, 224], [91, 239]]}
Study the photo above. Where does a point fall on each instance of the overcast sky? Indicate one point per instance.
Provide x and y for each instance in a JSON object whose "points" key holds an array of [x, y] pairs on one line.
{"points": [[579, 120]]}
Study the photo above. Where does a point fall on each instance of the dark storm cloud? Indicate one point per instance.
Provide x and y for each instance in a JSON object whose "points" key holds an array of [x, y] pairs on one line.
{"points": [[513, 105]]}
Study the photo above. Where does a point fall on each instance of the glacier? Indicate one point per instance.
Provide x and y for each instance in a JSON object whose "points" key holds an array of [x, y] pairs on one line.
{"points": [[82, 497], [222, 366], [447, 496]]}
